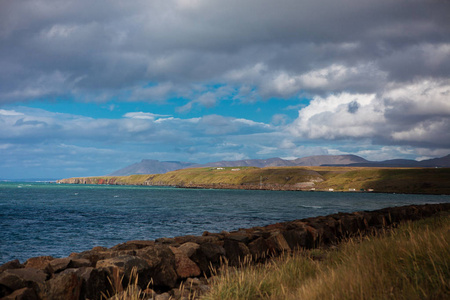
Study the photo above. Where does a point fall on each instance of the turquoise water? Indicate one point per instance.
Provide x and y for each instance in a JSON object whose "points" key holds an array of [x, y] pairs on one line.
{"points": [[56, 219]]}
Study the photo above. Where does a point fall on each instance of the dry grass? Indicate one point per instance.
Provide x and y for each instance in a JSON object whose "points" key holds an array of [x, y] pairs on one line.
{"points": [[392, 180], [411, 262], [132, 291]]}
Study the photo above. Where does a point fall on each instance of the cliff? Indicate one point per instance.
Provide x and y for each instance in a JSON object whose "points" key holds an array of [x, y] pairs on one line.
{"points": [[389, 180]]}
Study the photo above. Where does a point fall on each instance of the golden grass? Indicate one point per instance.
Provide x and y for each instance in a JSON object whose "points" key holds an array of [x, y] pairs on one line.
{"points": [[132, 291], [411, 262], [391, 180]]}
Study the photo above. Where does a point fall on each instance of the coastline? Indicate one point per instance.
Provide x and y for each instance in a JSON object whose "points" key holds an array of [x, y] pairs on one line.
{"points": [[171, 261], [330, 179]]}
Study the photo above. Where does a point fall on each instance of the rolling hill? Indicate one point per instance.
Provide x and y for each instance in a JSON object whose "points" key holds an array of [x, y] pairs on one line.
{"points": [[149, 166]]}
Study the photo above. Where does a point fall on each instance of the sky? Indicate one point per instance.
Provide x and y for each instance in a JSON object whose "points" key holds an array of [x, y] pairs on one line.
{"points": [[89, 87]]}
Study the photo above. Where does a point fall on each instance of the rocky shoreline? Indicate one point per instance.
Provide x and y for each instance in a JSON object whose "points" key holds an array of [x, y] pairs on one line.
{"points": [[186, 260]]}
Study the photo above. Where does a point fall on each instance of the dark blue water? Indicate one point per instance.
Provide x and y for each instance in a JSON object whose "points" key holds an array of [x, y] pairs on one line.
{"points": [[51, 219]]}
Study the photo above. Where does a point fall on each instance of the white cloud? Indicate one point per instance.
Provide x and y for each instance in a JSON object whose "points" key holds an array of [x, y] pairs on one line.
{"points": [[5, 112], [143, 115], [423, 97], [413, 113], [333, 117]]}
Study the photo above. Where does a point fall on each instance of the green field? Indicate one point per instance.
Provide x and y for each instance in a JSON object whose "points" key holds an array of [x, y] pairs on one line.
{"points": [[391, 180]]}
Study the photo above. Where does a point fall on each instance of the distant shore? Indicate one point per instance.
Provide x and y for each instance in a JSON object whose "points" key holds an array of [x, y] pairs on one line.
{"points": [[331, 179]]}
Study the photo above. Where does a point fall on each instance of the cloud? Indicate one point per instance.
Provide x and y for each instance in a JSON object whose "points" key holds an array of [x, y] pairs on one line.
{"points": [[416, 113], [35, 139], [368, 76], [143, 115], [33, 126], [96, 51]]}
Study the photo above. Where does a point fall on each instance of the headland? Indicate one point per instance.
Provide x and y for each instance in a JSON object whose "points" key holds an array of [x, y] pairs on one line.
{"points": [[333, 179]]}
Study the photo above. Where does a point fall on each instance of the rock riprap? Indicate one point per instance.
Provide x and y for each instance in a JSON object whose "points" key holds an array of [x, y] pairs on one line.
{"points": [[163, 265]]}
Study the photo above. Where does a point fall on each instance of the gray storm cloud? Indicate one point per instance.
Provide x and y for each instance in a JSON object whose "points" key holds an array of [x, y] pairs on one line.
{"points": [[372, 70], [79, 48]]}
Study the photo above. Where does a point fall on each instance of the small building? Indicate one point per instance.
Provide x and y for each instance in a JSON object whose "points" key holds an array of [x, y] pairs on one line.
{"points": [[220, 168], [331, 190], [235, 169], [352, 190]]}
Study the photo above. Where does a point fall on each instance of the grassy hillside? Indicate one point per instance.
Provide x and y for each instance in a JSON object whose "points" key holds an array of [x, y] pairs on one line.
{"points": [[410, 262], [414, 180], [238, 176], [399, 180]]}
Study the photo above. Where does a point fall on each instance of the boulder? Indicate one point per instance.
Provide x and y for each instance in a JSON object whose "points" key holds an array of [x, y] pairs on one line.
{"points": [[277, 244], [239, 237], [65, 286], [161, 262], [39, 262], [13, 264], [79, 263], [184, 266], [94, 255], [58, 265], [95, 282], [236, 252], [312, 237], [15, 279], [377, 221], [189, 248], [327, 228], [196, 239], [120, 269], [133, 245], [296, 238], [258, 249], [207, 256], [350, 225], [22, 294]]}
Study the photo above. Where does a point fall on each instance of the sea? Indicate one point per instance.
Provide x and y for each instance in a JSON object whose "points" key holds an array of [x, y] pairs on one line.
{"points": [[39, 219]]}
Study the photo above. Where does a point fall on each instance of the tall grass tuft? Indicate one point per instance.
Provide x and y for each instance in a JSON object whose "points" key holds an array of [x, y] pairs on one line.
{"points": [[132, 291], [410, 262]]}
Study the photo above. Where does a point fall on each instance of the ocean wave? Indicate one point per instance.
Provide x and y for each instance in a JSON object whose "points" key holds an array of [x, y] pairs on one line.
{"points": [[312, 206]]}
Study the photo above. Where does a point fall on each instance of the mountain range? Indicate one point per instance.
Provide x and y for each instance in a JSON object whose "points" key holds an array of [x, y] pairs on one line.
{"points": [[150, 166]]}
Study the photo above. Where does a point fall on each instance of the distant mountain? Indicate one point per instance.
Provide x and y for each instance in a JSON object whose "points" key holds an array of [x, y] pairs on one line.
{"points": [[442, 162], [151, 166], [317, 160], [320, 160], [260, 163]]}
